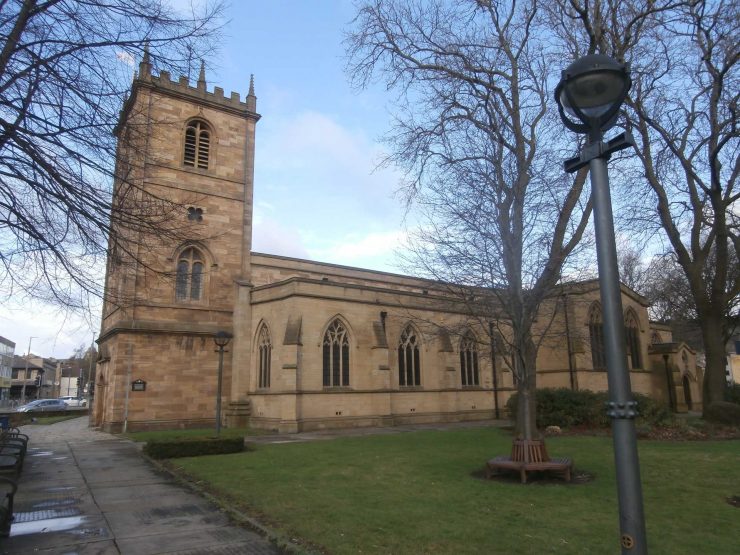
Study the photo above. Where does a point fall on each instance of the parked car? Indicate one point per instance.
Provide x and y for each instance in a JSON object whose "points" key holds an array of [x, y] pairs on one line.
{"points": [[74, 401], [43, 405]]}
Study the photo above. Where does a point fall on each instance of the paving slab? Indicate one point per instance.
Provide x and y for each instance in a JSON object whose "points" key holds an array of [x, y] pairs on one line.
{"points": [[84, 492]]}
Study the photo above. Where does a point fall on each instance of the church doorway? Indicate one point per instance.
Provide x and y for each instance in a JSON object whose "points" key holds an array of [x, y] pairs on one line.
{"points": [[687, 392]]}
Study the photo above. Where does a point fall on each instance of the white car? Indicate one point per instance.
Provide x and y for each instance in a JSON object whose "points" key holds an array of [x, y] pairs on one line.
{"points": [[74, 401]]}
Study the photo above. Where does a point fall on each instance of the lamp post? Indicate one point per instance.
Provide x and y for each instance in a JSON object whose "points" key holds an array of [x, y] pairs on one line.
{"points": [[589, 96], [221, 339], [25, 375]]}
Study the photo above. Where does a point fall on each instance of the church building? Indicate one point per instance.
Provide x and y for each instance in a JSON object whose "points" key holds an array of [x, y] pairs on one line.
{"points": [[314, 345]]}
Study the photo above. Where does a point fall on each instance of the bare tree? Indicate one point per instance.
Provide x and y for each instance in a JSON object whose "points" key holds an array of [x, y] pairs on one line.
{"points": [[65, 68], [473, 132], [683, 109]]}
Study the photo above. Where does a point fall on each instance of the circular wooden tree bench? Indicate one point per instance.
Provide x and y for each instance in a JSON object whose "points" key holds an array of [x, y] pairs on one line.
{"points": [[529, 456]]}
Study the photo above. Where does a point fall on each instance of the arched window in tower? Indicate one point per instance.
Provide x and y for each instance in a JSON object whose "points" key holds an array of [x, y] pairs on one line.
{"points": [[409, 364], [189, 281], [655, 339], [469, 360], [632, 335], [197, 145], [336, 355], [596, 334], [265, 356]]}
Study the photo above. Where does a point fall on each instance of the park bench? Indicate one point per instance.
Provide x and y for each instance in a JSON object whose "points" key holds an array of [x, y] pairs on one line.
{"points": [[529, 456], [8, 488], [13, 446]]}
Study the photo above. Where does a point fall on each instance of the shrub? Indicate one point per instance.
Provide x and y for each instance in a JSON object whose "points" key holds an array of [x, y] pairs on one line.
{"points": [[723, 412], [652, 412], [567, 408], [170, 449], [732, 394]]}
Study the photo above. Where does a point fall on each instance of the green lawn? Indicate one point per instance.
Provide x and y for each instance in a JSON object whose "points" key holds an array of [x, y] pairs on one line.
{"points": [[418, 493]]}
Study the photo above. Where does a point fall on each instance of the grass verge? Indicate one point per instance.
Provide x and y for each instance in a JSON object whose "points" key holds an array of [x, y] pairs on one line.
{"points": [[421, 492], [200, 433], [46, 420]]}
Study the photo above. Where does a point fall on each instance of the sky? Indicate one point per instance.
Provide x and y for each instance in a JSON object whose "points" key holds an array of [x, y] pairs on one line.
{"points": [[318, 191]]}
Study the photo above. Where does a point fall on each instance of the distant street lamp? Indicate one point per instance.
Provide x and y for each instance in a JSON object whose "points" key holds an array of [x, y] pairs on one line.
{"points": [[221, 339], [25, 375], [589, 96]]}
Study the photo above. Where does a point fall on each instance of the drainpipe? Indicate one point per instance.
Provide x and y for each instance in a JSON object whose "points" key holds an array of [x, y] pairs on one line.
{"points": [[128, 386], [493, 368], [571, 366]]}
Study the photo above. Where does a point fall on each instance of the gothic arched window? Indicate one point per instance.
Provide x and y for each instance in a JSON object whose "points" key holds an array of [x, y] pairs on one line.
{"points": [[197, 145], [189, 282], [655, 338], [265, 356], [469, 360], [336, 355], [632, 335], [409, 364], [596, 334]]}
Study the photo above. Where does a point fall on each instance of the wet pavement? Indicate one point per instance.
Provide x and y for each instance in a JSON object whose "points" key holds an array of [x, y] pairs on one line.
{"points": [[86, 492]]}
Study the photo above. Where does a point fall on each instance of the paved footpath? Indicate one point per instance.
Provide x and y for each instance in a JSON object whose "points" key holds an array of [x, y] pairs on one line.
{"points": [[86, 492]]}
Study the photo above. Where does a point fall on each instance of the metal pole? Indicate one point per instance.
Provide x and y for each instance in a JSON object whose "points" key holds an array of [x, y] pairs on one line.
{"points": [[621, 406], [89, 371], [25, 375], [218, 390]]}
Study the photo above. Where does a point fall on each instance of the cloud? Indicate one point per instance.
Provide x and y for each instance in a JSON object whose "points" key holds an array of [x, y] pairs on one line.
{"points": [[318, 182], [126, 58], [271, 237], [56, 333], [376, 250]]}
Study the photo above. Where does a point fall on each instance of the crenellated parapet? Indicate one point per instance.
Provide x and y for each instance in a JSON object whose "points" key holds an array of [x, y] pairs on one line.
{"points": [[181, 88]]}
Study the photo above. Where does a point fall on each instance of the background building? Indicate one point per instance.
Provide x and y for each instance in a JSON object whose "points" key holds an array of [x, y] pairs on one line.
{"points": [[7, 351]]}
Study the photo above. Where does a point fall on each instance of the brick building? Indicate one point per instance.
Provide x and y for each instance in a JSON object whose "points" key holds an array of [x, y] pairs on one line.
{"points": [[315, 345]]}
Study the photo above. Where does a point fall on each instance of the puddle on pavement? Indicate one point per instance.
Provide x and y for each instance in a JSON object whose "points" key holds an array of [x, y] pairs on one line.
{"points": [[52, 503], [47, 525], [60, 488], [42, 454]]}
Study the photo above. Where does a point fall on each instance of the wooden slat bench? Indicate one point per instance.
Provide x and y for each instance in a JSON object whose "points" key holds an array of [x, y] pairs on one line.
{"points": [[529, 456]]}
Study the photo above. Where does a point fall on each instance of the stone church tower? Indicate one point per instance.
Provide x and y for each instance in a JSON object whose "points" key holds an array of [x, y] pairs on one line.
{"points": [[193, 150]]}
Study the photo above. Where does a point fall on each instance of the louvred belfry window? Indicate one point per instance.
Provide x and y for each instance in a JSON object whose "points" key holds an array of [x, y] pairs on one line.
{"points": [[197, 145]]}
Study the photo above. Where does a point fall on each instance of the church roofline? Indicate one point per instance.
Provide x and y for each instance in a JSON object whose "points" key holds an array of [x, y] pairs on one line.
{"points": [[570, 287]]}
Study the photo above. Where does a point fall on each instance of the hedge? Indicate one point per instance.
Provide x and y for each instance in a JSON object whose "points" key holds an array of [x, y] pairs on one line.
{"points": [[171, 449], [567, 408], [723, 413]]}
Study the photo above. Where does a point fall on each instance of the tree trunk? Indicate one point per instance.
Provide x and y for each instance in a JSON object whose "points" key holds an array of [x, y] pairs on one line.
{"points": [[714, 385], [526, 418]]}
